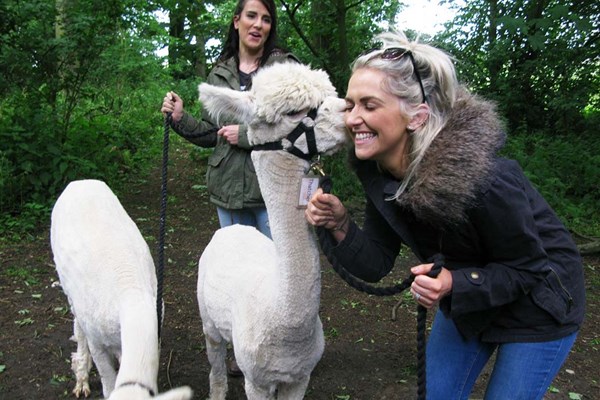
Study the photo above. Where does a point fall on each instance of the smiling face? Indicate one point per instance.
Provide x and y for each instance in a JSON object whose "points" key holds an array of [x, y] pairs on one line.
{"points": [[376, 122], [253, 25]]}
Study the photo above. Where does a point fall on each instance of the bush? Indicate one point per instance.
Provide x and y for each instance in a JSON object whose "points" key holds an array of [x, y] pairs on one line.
{"points": [[566, 170]]}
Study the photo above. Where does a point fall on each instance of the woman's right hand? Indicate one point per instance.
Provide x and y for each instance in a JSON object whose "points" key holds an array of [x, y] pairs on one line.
{"points": [[327, 210], [173, 104]]}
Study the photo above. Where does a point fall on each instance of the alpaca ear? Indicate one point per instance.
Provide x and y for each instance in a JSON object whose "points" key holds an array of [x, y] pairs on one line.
{"points": [[226, 103]]}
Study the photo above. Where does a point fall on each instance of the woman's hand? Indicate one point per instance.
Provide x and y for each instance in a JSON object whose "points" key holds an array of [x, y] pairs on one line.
{"points": [[429, 291], [230, 133], [327, 210], [173, 104]]}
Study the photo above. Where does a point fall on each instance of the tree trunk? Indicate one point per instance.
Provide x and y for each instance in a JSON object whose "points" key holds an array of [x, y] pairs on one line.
{"points": [[176, 33], [587, 249]]}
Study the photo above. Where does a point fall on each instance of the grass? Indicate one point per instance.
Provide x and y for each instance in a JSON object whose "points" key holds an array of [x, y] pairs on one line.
{"points": [[25, 274]]}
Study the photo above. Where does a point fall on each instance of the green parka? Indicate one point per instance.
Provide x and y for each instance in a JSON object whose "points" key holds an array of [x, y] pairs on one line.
{"points": [[230, 178]]}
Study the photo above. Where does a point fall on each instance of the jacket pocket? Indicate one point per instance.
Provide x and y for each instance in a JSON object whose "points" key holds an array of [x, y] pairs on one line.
{"points": [[217, 156], [216, 182], [552, 296]]}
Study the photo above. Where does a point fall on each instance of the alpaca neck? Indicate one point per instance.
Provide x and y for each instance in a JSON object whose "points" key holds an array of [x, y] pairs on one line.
{"points": [[139, 341], [279, 176]]}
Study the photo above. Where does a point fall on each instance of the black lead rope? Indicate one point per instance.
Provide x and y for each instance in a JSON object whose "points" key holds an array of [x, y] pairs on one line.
{"points": [[438, 263], [163, 212], [162, 222]]}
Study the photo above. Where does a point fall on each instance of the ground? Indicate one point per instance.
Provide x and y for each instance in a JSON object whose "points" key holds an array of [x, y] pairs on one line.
{"points": [[368, 356]]}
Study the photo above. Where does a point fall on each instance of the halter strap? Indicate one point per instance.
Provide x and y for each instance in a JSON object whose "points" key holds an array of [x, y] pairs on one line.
{"points": [[152, 394], [305, 126]]}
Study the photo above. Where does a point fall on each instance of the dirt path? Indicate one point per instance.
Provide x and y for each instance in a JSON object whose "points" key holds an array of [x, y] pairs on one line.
{"points": [[367, 356]]}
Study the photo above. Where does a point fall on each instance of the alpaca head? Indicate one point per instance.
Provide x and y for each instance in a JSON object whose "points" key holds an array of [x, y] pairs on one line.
{"points": [[280, 98]]}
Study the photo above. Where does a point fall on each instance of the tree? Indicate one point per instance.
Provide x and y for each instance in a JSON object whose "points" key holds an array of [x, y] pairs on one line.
{"points": [[326, 33], [77, 76], [331, 33], [192, 24], [538, 58]]}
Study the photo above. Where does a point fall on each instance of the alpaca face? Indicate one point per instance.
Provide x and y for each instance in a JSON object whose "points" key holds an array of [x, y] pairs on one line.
{"points": [[280, 97]]}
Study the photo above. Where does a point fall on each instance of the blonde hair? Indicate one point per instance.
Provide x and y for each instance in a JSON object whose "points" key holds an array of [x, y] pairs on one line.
{"points": [[438, 77]]}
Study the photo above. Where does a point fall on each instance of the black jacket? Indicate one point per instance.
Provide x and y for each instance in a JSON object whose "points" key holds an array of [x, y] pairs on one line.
{"points": [[517, 275]]}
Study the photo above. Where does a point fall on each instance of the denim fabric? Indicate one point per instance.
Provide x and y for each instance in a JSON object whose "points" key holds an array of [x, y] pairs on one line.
{"points": [[251, 216], [522, 371]]}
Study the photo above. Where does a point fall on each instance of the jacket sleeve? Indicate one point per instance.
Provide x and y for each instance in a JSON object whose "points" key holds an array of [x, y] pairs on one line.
{"points": [[506, 224], [243, 141], [369, 253], [200, 132]]}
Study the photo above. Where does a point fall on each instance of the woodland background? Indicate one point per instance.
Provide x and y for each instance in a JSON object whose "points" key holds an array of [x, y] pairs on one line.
{"points": [[81, 84]]}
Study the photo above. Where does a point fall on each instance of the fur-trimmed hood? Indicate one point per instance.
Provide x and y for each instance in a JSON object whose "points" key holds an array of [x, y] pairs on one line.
{"points": [[458, 164]]}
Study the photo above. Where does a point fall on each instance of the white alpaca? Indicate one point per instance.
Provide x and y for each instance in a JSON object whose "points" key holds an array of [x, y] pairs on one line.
{"points": [[263, 295], [106, 271]]}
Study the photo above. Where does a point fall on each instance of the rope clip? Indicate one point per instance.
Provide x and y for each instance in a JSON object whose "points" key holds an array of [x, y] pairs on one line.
{"points": [[317, 167]]}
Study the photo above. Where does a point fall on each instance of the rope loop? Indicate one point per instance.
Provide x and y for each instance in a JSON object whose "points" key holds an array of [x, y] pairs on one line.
{"points": [[438, 262]]}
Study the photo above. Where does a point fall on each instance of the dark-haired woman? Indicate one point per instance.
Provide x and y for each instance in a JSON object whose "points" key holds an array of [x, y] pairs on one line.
{"points": [[251, 44]]}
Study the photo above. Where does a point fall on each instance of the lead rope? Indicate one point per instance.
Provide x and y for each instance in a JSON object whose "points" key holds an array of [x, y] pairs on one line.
{"points": [[438, 263], [163, 212], [161, 225]]}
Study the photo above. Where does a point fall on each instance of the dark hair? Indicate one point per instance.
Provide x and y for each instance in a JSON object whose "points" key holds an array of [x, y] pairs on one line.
{"points": [[231, 48]]}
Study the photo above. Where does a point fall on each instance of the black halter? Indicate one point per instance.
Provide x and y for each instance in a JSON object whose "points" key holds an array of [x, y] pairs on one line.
{"points": [[306, 126], [138, 384]]}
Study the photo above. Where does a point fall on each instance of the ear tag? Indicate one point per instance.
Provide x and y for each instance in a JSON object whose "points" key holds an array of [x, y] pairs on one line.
{"points": [[308, 186]]}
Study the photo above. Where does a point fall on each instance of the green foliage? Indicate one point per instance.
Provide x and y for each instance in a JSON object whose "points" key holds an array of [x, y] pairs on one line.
{"points": [[345, 183], [25, 274], [329, 35], [81, 87], [15, 228], [538, 59], [81, 100], [566, 171]]}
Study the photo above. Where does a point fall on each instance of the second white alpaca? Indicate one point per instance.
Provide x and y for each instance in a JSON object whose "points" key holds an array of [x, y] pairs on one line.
{"points": [[263, 295], [106, 271]]}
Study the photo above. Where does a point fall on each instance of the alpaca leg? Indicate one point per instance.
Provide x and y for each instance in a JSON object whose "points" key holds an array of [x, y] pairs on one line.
{"points": [[254, 392], [293, 391], [216, 350], [81, 362], [107, 368]]}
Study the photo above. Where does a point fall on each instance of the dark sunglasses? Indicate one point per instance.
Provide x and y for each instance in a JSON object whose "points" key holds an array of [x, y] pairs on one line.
{"points": [[396, 53]]}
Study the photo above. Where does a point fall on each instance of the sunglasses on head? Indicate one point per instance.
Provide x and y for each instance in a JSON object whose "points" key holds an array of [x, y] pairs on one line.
{"points": [[396, 53]]}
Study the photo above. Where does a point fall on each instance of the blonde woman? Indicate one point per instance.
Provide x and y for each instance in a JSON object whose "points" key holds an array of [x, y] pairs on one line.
{"points": [[425, 150]]}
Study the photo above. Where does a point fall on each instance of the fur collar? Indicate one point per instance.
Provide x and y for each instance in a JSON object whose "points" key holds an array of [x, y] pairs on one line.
{"points": [[457, 165]]}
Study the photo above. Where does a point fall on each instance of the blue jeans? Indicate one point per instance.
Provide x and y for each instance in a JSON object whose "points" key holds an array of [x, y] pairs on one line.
{"points": [[522, 371], [252, 216]]}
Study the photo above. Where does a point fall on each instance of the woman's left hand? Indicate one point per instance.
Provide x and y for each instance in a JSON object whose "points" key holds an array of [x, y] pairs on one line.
{"points": [[230, 133], [429, 291]]}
